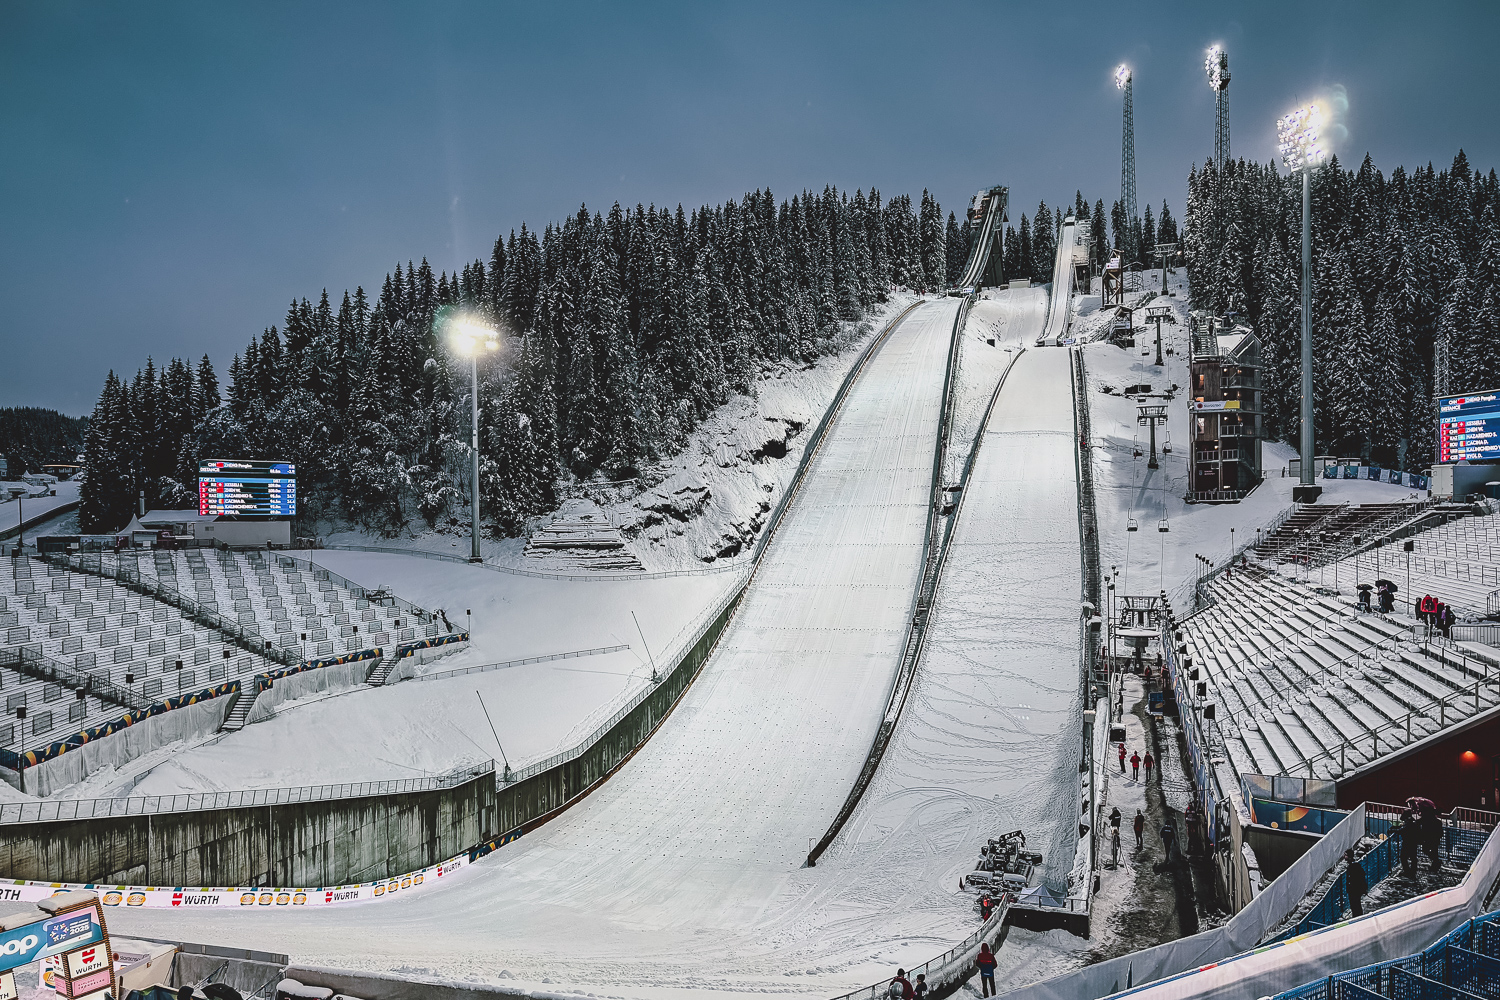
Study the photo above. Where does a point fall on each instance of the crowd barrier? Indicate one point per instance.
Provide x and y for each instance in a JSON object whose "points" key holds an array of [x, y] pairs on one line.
{"points": [[258, 683], [407, 649], [1375, 473], [1244, 930], [1385, 935]]}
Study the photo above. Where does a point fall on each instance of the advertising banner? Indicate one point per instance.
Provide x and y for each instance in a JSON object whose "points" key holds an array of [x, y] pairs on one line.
{"points": [[8, 986], [51, 936], [235, 898]]}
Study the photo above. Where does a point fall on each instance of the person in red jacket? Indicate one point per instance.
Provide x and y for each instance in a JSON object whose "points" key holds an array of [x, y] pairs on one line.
{"points": [[900, 988], [986, 963], [1122, 758], [1135, 767]]}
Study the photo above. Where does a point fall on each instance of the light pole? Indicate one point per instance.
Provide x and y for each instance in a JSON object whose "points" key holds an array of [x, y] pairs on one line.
{"points": [[470, 338], [1297, 135]]}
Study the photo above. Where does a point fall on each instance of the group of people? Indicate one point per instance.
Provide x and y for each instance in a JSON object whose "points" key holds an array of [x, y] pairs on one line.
{"points": [[1114, 829], [902, 988], [1386, 591], [1435, 615], [1135, 764], [1421, 829]]}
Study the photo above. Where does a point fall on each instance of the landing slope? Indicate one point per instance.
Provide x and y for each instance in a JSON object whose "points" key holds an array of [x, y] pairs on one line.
{"points": [[657, 879]]}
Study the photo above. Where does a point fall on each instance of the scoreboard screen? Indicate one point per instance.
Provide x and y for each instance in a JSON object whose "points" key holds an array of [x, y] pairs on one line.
{"points": [[1469, 427], [247, 486]]}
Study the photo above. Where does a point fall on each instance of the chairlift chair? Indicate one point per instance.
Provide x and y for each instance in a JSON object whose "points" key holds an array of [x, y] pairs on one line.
{"points": [[1162, 525], [1131, 524], [1166, 444]]}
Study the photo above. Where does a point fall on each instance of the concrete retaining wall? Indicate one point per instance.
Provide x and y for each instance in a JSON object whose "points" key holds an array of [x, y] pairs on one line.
{"points": [[300, 844]]}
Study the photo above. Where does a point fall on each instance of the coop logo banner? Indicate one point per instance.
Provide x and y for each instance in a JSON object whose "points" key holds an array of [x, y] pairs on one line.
{"points": [[46, 938]]}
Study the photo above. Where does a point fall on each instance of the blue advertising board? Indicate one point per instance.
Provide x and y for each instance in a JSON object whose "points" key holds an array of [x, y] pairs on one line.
{"points": [[52, 936], [1469, 427]]}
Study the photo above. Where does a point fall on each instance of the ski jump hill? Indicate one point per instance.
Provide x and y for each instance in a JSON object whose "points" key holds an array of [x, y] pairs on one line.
{"points": [[688, 869]]}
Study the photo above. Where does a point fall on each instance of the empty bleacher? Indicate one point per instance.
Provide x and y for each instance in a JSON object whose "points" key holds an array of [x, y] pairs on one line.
{"points": [[81, 623], [1317, 534], [1457, 562], [63, 632], [1306, 684]]}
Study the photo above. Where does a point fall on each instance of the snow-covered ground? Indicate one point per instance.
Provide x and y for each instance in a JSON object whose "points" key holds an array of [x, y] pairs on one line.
{"points": [[682, 872], [989, 740], [706, 504], [11, 511], [417, 727]]}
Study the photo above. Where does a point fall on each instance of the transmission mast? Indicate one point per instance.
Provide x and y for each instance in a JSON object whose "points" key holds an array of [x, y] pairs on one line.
{"points": [[1217, 66], [1123, 80]]}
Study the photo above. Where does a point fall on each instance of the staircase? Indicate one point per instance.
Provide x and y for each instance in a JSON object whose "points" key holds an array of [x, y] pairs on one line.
{"points": [[382, 670], [238, 712]]}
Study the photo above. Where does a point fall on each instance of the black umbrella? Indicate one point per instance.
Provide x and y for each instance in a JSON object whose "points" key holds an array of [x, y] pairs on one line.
{"points": [[1366, 586], [1388, 585]]}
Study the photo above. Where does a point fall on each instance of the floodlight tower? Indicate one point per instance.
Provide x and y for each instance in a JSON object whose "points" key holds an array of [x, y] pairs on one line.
{"points": [[1123, 81], [1217, 67], [1297, 135]]}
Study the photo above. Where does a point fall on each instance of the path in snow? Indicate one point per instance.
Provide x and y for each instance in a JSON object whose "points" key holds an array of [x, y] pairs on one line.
{"points": [[670, 877]]}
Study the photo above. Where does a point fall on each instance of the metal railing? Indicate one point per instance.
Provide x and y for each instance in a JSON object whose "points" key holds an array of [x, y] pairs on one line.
{"points": [[485, 667], [53, 810], [390, 550], [32, 662], [952, 966]]}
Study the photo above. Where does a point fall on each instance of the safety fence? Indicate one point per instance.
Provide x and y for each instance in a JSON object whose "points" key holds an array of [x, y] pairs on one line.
{"points": [[1330, 909], [53, 810], [480, 668], [411, 648]]}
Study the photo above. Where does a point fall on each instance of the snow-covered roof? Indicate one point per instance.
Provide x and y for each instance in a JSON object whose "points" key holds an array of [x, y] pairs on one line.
{"points": [[155, 517]]}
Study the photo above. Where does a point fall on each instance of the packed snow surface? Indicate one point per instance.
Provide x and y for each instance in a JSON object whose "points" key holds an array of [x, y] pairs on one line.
{"points": [[678, 874]]}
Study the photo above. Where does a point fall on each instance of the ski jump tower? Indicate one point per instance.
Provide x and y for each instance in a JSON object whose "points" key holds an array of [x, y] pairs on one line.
{"points": [[1123, 80]]}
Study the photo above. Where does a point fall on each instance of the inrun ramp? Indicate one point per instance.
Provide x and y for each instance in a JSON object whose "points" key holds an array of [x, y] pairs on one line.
{"points": [[673, 869]]}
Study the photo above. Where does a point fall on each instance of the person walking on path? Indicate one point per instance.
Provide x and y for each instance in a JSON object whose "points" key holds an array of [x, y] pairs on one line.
{"points": [[986, 963], [1140, 828], [1135, 767], [1122, 758], [1355, 884], [900, 988], [1150, 763]]}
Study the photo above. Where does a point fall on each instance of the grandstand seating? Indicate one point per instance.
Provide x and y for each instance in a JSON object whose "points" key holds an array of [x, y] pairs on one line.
{"points": [[1315, 534], [1308, 685], [1458, 562], [87, 633], [282, 598], [81, 629]]}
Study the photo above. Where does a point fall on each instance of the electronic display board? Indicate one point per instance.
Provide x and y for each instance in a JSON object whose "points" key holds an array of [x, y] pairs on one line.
{"points": [[247, 487], [1469, 427]]}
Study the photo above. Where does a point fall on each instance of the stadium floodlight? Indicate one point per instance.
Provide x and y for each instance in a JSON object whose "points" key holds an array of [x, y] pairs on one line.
{"points": [[1298, 136], [1122, 77], [469, 338], [1216, 64]]}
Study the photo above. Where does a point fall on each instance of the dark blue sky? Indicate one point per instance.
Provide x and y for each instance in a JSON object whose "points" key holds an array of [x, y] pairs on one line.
{"points": [[171, 175]]}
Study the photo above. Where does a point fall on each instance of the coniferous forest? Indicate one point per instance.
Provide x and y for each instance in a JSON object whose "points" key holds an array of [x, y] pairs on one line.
{"points": [[1405, 292], [31, 437], [620, 333]]}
